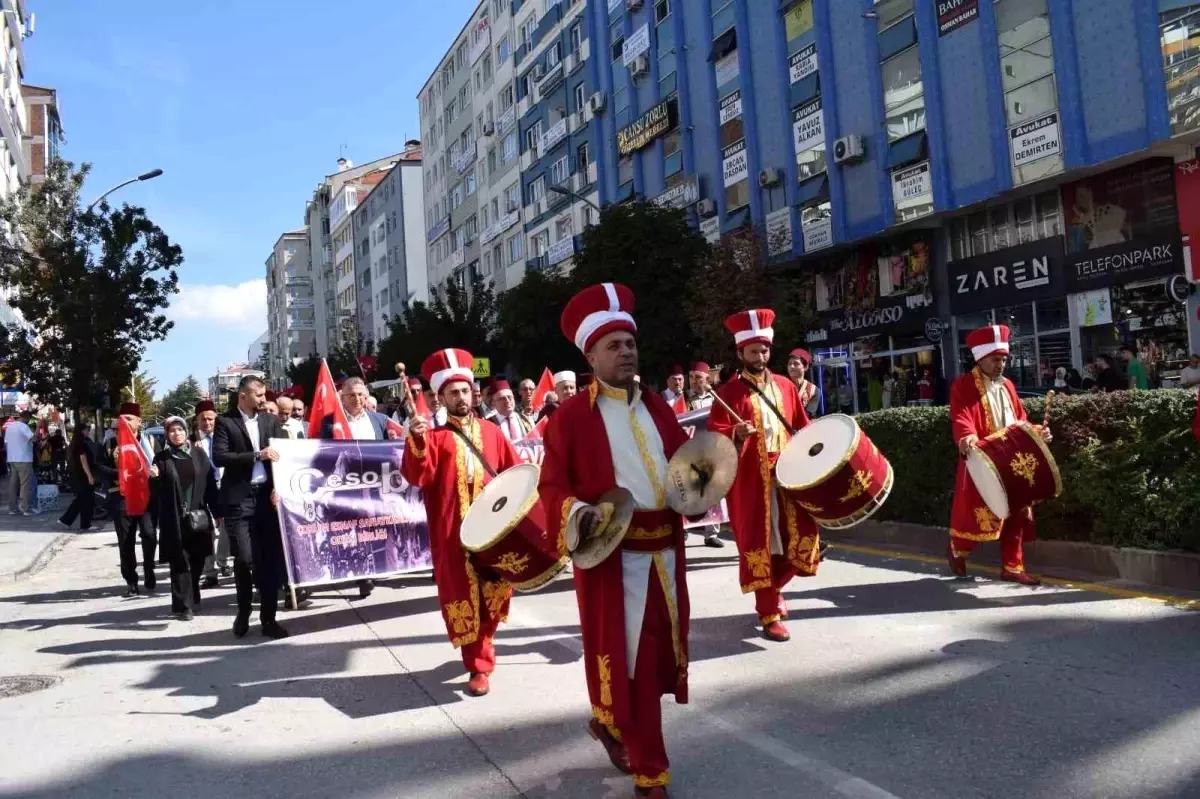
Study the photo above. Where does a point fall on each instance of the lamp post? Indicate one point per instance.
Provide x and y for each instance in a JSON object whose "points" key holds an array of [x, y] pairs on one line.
{"points": [[153, 173], [568, 193]]}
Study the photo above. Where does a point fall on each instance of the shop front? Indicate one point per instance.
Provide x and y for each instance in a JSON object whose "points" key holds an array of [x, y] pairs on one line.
{"points": [[869, 339]]}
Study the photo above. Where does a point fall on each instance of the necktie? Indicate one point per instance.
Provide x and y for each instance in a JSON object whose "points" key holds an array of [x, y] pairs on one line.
{"points": [[512, 429]]}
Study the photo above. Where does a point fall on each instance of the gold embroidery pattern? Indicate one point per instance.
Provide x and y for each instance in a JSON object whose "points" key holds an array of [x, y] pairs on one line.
{"points": [[758, 561], [660, 565], [605, 717], [974, 536], [459, 614], [568, 503], [764, 471], [988, 522], [639, 435], [472, 631], [641, 781], [418, 452], [1024, 465], [981, 387], [605, 670], [467, 494], [512, 563], [640, 534], [494, 596], [859, 484], [811, 508]]}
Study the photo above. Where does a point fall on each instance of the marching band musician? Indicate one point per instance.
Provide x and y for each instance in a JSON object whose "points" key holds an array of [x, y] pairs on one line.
{"points": [[633, 607], [776, 538], [982, 402], [446, 464], [797, 366]]}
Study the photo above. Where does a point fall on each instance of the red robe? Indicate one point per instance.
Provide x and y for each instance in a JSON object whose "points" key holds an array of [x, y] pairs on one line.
{"points": [[971, 521], [579, 467], [437, 465], [749, 499]]}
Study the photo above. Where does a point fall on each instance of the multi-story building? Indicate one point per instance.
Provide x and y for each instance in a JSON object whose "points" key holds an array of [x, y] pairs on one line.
{"points": [[291, 317], [258, 353], [228, 378], [45, 130], [345, 218], [388, 226], [14, 118], [321, 250]]}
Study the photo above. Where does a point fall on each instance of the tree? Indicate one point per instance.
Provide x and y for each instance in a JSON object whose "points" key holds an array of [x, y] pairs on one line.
{"points": [[463, 319], [181, 400], [304, 374], [141, 390], [91, 287], [732, 278], [528, 321]]}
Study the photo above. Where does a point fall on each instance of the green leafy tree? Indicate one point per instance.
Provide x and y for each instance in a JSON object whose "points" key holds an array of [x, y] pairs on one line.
{"points": [[732, 278], [141, 390], [181, 400], [528, 321], [463, 319], [304, 374], [91, 287]]}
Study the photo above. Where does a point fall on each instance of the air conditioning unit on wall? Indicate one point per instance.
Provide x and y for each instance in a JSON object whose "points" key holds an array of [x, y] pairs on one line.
{"points": [[769, 177], [640, 66], [597, 102], [849, 149]]}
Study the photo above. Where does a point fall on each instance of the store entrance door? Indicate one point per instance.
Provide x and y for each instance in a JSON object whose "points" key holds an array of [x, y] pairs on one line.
{"points": [[835, 381]]}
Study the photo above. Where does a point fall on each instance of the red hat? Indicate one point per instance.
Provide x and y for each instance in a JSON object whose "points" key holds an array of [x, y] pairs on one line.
{"points": [[597, 311], [701, 367], [414, 382], [752, 327], [986, 340], [500, 385], [205, 405], [676, 371], [131, 409], [446, 366], [802, 354], [272, 396]]}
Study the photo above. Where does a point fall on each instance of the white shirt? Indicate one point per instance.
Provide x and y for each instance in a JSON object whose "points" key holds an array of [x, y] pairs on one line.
{"points": [[258, 475], [361, 427], [294, 428], [670, 396], [205, 443], [698, 402], [512, 426], [1002, 410], [18, 441]]}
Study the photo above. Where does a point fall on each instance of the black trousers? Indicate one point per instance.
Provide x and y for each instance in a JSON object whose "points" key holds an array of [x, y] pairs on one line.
{"points": [[254, 540], [81, 506], [186, 570], [128, 528]]}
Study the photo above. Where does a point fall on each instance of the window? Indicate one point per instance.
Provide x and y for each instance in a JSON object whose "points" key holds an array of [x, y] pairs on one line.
{"points": [[576, 38], [1008, 225], [662, 9], [671, 143], [498, 256], [516, 248], [472, 227], [527, 31], [618, 48], [1031, 101], [537, 190], [470, 183], [503, 50], [625, 170], [491, 160], [539, 244], [580, 97], [737, 196], [564, 228], [533, 137], [487, 68], [512, 197], [582, 159], [553, 55], [460, 57], [559, 172], [903, 94], [510, 147]]}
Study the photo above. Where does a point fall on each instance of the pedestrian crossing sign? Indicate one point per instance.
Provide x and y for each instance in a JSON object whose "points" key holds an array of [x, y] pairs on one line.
{"points": [[482, 367]]}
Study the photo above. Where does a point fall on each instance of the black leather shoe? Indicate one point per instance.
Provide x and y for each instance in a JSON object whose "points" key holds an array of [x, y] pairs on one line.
{"points": [[151, 581], [131, 590], [241, 626], [274, 629], [210, 582], [365, 587], [184, 615], [713, 541]]}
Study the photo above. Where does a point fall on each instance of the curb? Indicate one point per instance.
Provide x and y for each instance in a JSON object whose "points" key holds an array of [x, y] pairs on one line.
{"points": [[1178, 571], [40, 561]]}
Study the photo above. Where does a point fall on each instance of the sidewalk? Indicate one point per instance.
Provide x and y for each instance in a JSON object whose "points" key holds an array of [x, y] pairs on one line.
{"points": [[28, 543]]}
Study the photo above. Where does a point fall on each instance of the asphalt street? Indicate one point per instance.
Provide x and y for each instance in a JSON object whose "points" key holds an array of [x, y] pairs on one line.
{"points": [[898, 682]]}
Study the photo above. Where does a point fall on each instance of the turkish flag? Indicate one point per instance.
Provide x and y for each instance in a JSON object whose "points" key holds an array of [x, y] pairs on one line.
{"points": [[367, 364], [133, 470], [544, 387], [395, 430], [325, 402], [679, 405]]}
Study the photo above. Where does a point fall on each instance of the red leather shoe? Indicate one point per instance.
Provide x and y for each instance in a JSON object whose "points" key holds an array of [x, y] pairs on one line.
{"points": [[958, 563], [614, 748], [1023, 578], [478, 685], [775, 631], [657, 791]]}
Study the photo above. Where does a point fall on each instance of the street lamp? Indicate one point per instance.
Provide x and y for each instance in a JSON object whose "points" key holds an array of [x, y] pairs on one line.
{"points": [[568, 193], [153, 173]]}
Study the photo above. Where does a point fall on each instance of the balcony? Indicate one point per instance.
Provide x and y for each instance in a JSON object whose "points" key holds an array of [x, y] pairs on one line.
{"points": [[527, 159], [535, 209]]}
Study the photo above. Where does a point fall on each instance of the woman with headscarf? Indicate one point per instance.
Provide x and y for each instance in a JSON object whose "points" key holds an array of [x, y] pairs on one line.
{"points": [[184, 492], [1060, 381]]}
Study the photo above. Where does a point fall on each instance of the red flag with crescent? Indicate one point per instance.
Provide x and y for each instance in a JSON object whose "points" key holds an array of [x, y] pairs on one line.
{"points": [[679, 405], [325, 402], [133, 470], [544, 387]]}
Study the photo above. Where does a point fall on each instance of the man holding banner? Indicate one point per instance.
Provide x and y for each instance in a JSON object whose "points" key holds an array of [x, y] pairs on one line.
{"points": [[451, 465]]}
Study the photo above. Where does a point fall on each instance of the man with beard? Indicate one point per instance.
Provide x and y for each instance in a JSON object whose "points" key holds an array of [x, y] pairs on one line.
{"points": [[776, 538], [633, 607], [450, 465], [981, 402]]}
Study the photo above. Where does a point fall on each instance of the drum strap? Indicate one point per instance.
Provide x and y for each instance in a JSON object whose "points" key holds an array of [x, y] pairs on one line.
{"points": [[769, 404], [487, 467]]}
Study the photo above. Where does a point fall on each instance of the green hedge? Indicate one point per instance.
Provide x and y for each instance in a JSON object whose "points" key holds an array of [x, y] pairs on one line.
{"points": [[1129, 462]]}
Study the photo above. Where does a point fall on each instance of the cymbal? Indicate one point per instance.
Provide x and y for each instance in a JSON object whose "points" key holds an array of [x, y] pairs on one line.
{"points": [[701, 473], [616, 508]]}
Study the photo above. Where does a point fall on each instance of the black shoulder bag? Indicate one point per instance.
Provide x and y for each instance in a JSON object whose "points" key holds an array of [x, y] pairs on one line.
{"points": [[771, 405], [191, 522]]}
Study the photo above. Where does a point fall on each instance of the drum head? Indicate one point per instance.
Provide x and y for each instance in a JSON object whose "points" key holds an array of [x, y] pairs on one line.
{"points": [[988, 483], [500, 507], [817, 451]]}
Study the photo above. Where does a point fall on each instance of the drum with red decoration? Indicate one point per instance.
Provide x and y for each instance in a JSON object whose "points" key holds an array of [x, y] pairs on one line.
{"points": [[835, 472], [505, 530], [1013, 469]]}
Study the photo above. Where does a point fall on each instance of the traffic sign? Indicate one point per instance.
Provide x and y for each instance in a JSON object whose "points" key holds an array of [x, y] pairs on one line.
{"points": [[482, 367]]}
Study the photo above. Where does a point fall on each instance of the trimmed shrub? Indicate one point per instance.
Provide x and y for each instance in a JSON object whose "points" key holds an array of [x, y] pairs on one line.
{"points": [[1129, 462]]}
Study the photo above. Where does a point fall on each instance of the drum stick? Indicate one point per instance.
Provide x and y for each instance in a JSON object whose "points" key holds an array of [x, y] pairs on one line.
{"points": [[1046, 414], [728, 410]]}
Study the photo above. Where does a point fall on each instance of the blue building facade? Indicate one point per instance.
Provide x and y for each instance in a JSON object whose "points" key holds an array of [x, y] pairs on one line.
{"points": [[925, 165]]}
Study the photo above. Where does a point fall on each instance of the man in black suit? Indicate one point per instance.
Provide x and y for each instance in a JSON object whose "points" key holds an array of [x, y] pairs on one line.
{"points": [[247, 495]]}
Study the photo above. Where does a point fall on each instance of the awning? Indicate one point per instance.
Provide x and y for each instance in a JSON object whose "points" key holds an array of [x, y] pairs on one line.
{"points": [[813, 191], [908, 150]]}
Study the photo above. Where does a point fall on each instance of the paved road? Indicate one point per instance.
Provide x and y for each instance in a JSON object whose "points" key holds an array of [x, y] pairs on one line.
{"points": [[897, 683]]}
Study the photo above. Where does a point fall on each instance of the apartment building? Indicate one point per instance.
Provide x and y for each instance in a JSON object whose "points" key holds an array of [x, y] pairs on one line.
{"points": [[317, 217], [227, 379], [291, 320], [15, 26], [45, 137]]}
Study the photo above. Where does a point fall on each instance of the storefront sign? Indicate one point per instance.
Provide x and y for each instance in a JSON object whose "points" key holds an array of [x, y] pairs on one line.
{"points": [[1147, 257], [637, 43], [680, 196], [561, 250], [727, 69], [1122, 205], [818, 234], [1093, 308], [779, 232], [891, 315], [646, 128], [1034, 140], [710, 229], [1033, 271], [731, 107], [953, 14], [912, 186], [551, 79], [935, 328], [734, 164], [807, 128], [556, 133], [438, 230], [803, 64]]}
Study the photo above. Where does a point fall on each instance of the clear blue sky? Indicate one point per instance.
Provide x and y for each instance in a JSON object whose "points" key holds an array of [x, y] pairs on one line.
{"points": [[245, 106]]}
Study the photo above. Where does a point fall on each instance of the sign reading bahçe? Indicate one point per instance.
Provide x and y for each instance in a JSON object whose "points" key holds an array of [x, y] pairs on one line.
{"points": [[646, 128]]}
